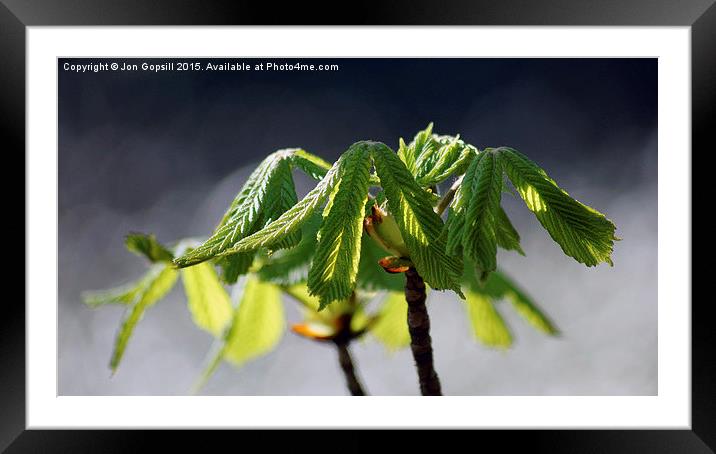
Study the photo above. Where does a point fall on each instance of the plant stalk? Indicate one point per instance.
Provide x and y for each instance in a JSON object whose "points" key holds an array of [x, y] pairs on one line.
{"points": [[419, 328], [344, 358]]}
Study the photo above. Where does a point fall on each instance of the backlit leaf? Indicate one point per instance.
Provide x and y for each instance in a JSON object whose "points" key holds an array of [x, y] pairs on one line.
{"points": [[156, 287], [266, 195], [455, 224], [240, 219], [292, 220], [391, 327], [235, 265], [257, 326], [507, 236], [499, 286], [310, 303], [208, 302], [420, 226], [451, 157], [290, 266], [125, 294], [482, 189], [149, 247], [583, 233], [488, 326], [335, 263], [422, 143], [314, 166]]}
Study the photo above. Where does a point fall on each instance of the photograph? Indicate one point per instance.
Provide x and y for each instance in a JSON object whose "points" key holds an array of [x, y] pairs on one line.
{"points": [[357, 226], [471, 218]]}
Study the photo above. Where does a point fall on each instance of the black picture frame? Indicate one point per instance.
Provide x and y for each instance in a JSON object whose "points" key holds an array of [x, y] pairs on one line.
{"points": [[16, 15]]}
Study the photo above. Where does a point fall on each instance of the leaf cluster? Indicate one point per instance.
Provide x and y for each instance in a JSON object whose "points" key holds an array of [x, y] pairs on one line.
{"points": [[342, 196], [207, 301], [317, 251]]}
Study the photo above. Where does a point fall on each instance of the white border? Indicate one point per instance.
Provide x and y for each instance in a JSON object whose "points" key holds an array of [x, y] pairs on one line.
{"points": [[671, 408]]}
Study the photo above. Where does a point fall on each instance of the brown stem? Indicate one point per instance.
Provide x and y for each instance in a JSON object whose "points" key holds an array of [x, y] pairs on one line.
{"points": [[344, 358], [419, 327]]}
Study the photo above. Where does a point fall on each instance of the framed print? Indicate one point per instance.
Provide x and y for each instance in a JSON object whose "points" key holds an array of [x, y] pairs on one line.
{"points": [[240, 225]]}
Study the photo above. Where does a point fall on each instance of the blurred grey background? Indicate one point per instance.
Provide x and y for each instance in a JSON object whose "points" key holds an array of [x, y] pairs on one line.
{"points": [[166, 153]]}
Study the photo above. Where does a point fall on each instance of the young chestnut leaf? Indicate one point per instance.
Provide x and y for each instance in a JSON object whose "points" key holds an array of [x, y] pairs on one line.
{"points": [[487, 324], [292, 220], [258, 323], [419, 225], [208, 302], [234, 265], [206, 299], [500, 287], [312, 165], [482, 190], [476, 223], [160, 280], [149, 247], [267, 194], [582, 232], [507, 236], [451, 158], [281, 197], [288, 267], [242, 216], [422, 143], [335, 263], [455, 224], [124, 294], [390, 327], [256, 327]]}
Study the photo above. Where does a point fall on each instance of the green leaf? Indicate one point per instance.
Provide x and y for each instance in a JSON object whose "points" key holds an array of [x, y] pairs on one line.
{"points": [[208, 302], [391, 327], [420, 226], [582, 232], [257, 326], [125, 294], [290, 266], [239, 219], [160, 280], [404, 153], [335, 264], [299, 292], [488, 326], [451, 158], [426, 156], [422, 143], [258, 323], [292, 220], [268, 190], [499, 286], [282, 196], [235, 265], [507, 236], [149, 247], [314, 166], [455, 224], [505, 233], [482, 190]]}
